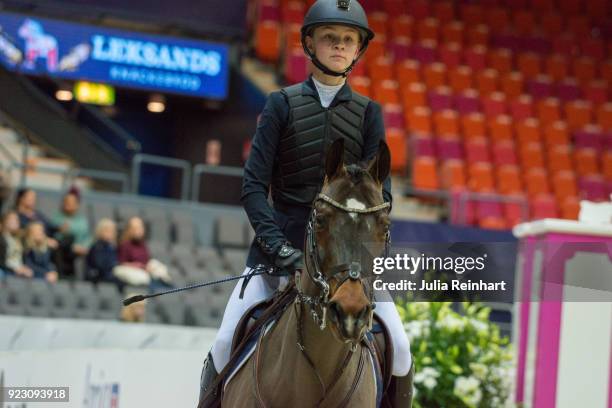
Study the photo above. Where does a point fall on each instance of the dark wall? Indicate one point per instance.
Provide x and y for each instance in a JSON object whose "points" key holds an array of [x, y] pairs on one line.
{"points": [[233, 125], [218, 18]]}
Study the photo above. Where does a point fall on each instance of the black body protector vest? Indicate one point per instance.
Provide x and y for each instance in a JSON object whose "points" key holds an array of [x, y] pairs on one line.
{"points": [[300, 168]]}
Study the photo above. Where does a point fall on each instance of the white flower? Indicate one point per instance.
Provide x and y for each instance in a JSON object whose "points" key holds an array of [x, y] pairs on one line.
{"points": [[451, 323], [430, 383], [480, 370], [417, 328], [468, 390], [427, 376], [430, 372], [481, 327]]}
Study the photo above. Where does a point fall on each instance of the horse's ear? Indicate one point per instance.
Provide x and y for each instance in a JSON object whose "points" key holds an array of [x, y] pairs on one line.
{"points": [[380, 166], [334, 161]]}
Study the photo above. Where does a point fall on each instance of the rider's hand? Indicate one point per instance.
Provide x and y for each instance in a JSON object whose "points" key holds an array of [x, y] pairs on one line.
{"points": [[289, 258]]}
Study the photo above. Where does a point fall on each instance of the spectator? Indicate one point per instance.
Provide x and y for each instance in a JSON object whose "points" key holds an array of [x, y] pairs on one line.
{"points": [[5, 188], [136, 266], [134, 313], [25, 205], [11, 237], [102, 256], [37, 253], [72, 233]]}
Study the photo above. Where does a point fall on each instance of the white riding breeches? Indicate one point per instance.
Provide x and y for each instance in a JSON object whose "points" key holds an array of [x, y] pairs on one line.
{"points": [[257, 290]]}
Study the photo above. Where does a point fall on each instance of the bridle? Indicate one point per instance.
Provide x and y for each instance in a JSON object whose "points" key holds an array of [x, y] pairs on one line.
{"points": [[341, 273]]}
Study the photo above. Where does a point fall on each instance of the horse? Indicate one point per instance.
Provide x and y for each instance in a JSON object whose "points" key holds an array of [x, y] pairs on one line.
{"points": [[38, 44], [314, 355]]}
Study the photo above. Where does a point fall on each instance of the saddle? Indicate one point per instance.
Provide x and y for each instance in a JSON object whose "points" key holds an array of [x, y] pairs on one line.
{"points": [[259, 315]]}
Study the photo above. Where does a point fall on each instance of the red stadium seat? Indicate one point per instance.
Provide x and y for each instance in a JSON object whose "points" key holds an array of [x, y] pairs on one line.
{"points": [[522, 108], [512, 84], [532, 156], [578, 114], [428, 29], [460, 78], [481, 177], [500, 128], [418, 120], [528, 131], [402, 26], [564, 185], [557, 66], [487, 81], [509, 180], [434, 75], [453, 175], [586, 162], [450, 55], [536, 181], [544, 206], [446, 123], [453, 32], [387, 91], [414, 95], [529, 65], [494, 104], [504, 153], [557, 133], [396, 140], [549, 111], [360, 84], [407, 72], [473, 125], [267, 41], [559, 158], [500, 60], [425, 173], [477, 150], [444, 11]]}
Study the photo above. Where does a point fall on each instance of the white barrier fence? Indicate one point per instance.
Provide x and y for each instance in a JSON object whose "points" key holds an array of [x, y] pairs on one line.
{"points": [[105, 364]]}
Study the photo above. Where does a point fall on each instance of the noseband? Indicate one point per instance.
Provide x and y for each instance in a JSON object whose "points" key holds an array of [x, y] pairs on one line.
{"points": [[342, 272]]}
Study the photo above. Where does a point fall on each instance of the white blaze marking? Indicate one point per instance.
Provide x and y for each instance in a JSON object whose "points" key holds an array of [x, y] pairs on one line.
{"points": [[354, 203]]}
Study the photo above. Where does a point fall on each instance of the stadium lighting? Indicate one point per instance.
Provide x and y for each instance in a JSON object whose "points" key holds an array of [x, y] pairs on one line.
{"points": [[64, 93], [157, 103]]}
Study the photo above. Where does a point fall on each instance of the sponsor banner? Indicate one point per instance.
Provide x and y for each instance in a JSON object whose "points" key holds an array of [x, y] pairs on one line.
{"points": [[40, 46]]}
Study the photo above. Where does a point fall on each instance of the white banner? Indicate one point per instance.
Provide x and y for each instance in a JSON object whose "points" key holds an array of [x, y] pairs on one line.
{"points": [[107, 378]]}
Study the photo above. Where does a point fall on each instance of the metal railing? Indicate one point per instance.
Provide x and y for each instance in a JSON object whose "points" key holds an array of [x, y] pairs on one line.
{"points": [[116, 176], [200, 169], [183, 165], [464, 197]]}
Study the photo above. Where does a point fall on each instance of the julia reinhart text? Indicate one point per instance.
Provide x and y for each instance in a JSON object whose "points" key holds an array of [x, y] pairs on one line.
{"points": [[438, 285]]}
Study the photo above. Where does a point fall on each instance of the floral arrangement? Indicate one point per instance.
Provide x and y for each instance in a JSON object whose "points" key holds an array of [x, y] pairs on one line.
{"points": [[461, 361]]}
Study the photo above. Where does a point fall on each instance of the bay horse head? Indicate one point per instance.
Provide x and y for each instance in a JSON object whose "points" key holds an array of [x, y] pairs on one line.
{"points": [[348, 226]]}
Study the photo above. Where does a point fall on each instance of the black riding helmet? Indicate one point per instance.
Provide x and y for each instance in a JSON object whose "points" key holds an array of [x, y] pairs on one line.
{"points": [[345, 12]]}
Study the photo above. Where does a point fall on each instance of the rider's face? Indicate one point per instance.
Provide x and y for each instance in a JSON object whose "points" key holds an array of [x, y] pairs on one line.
{"points": [[336, 46]]}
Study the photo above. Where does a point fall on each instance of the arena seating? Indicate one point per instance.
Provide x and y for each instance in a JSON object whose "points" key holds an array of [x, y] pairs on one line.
{"points": [[529, 80], [197, 244]]}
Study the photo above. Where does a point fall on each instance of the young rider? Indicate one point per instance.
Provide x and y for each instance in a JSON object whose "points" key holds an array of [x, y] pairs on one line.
{"points": [[287, 155]]}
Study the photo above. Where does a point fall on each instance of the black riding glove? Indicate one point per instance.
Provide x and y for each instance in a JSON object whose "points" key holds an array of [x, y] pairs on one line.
{"points": [[289, 259]]}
